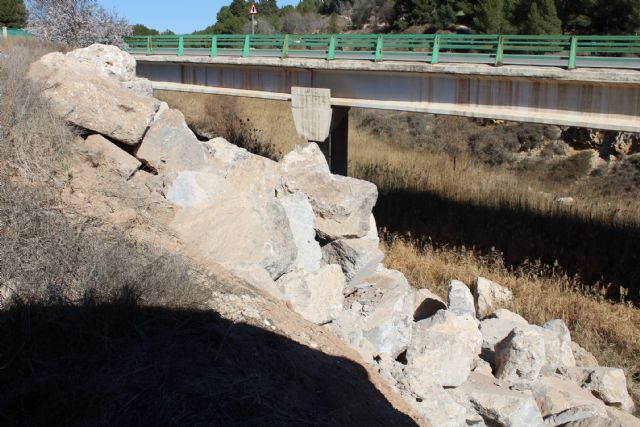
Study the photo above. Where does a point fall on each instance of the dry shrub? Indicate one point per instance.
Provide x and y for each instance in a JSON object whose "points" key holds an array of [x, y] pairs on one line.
{"points": [[32, 136], [45, 258]]}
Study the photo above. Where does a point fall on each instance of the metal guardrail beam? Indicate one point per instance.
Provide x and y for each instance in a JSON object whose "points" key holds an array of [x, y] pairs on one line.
{"points": [[545, 50]]}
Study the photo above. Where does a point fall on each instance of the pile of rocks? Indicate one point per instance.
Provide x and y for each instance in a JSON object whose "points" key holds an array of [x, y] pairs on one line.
{"points": [[306, 236]]}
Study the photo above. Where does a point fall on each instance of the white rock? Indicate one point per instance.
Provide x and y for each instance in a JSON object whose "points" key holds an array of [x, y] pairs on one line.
{"points": [[317, 296], [358, 258], [460, 298], [381, 320], [557, 340], [582, 356], [256, 174], [170, 146], [436, 407], [489, 295], [443, 348], [111, 60], [302, 223], [561, 401], [224, 155], [258, 277], [342, 205], [304, 159], [426, 304], [504, 314], [520, 356], [481, 366], [607, 384], [246, 227], [497, 405], [197, 188], [82, 94], [372, 235], [123, 162]]}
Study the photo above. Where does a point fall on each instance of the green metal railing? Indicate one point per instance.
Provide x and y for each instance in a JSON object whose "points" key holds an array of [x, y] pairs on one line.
{"points": [[17, 32], [553, 50]]}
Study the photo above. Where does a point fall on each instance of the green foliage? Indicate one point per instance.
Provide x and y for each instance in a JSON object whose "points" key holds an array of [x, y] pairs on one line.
{"points": [[538, 17], [143, 30], [13, 13], [267, 7], [309, 6], [491, 17], [228, 22], [333, 24]]}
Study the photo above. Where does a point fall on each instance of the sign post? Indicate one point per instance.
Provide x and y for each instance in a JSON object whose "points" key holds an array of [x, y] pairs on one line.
{"points": [[253, 12]]}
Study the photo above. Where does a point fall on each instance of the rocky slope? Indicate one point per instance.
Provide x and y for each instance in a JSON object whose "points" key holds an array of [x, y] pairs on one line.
{"points": [[304, 239]]}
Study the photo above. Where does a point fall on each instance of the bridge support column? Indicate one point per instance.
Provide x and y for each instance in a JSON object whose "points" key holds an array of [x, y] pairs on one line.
{"points": [[336, 146], [317, 122], [4, 32]]}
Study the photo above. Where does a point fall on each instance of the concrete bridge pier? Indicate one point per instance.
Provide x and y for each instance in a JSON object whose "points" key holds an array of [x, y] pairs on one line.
{"points": [[318, 122]]}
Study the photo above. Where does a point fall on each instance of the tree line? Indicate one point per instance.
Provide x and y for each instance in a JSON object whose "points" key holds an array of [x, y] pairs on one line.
{"points": [[482, 16]]}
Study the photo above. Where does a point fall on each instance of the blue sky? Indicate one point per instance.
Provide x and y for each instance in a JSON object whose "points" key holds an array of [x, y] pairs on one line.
{"points": [[178, 16]]}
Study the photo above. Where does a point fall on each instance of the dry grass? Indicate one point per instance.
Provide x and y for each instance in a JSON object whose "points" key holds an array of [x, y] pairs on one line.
{"points": [[610, 331]]}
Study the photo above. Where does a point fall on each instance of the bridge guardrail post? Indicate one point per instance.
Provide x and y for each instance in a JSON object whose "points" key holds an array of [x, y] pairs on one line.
{"points": [[331, 55], [149, 48], [181, 46], [435, 51], [500, 52], [247, 46], [214, 46], [572, 53], [285, 46], [379, 46]]}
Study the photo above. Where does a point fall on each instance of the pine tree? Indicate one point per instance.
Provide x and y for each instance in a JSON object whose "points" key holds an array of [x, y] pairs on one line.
{"points": [[538, 17], [490, 17], [13, 13], [267, 7]]}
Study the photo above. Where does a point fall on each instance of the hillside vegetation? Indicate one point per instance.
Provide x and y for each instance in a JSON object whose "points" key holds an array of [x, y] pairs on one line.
{"points": [[483, 16], [444, 213]]}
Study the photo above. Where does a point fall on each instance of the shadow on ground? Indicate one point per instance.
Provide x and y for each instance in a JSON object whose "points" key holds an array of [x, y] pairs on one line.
{"points": [[118, 365], [596, 251]]}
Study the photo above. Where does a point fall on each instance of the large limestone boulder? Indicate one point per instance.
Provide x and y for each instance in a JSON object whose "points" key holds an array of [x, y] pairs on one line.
{"points": [[607, 384], [246, 227], [111, 60], [557, 341], [198, 188], [583, 357], [358, 258], [436, 406], [304, 159], [494, 330], [460, 298], [342, 205], [86, 97], [489, 295], [426, 304], [114, 63], [498, 406], [443, 348], [317, 296], [121, 161], [302, 223], [378, 315], [520, 356], [561, 401], [170, 146]]}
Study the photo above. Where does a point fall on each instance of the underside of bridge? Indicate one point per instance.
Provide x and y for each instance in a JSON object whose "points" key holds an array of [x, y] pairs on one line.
{"points": [[321, 92]]}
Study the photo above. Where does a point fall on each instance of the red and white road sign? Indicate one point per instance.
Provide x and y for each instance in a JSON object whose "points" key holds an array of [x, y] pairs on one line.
{"points": [[253, 10]]}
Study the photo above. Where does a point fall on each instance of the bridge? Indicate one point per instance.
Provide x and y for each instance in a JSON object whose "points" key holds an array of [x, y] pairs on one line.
{"points": [[584, 81]]}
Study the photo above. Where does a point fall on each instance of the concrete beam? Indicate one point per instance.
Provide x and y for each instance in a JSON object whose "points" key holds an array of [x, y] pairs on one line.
{"points": [[613, 105]]}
